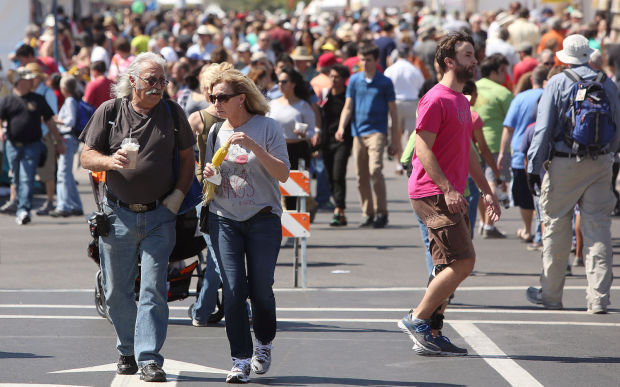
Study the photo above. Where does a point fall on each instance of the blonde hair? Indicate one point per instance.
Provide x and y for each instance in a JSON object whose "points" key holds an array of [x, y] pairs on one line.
{"points": [[255, 102], [208, 73]]}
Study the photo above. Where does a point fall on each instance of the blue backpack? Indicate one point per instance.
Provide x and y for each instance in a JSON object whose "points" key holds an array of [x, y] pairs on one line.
{"points": [[84, 112], [589, 126]]}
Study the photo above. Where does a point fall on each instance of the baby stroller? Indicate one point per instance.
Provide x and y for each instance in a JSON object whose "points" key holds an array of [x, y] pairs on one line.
{"points": [[189, 244]]}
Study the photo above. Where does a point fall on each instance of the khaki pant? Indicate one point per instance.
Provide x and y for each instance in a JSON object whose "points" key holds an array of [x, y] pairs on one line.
{"points": [[368, 157], [406, 116], [587, 183]]}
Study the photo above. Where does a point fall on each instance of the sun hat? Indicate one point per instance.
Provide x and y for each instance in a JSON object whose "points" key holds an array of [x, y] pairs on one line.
{"points": [[19, 74], [35, 69], [203, 30], [576, 50], [301, 53], [243, 47]]}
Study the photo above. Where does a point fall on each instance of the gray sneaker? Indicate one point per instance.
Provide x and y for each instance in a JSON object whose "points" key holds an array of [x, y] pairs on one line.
{"points": [[261, 360], [447, 348], [9, 207], [420, 334], [494, 233], [240, 371], [597, 309], [534, 295], [46, 208]]}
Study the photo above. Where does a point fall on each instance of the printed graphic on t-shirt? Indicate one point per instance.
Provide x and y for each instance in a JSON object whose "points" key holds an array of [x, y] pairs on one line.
{"points": [[237, 183], [462, 115]]}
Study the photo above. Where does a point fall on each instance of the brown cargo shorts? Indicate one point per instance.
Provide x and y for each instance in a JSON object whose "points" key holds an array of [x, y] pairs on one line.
{"points": [[448, 233]]}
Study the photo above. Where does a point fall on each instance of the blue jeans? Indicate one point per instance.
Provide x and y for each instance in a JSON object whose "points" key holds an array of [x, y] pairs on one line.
{"points": [[427, 250], [211, 280], [68, 198], [23, 162], [148, 237], [322, 182], [257, 242], [472, 204]]}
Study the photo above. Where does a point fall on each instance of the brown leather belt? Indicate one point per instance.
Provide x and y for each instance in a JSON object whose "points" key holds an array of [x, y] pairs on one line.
{"points": [[138, 208]]}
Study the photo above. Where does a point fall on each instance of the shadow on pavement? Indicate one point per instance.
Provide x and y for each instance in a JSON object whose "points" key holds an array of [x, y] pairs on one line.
{"points": [[557, 359], [320, 264], [288, 326], [21, 355], [313, 380], [478, 273], [341, 246]]}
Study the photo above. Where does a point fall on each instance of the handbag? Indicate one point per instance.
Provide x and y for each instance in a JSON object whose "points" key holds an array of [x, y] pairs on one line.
{"points": [[204, 210]]}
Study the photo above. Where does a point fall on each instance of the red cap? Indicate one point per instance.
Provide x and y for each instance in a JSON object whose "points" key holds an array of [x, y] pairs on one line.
{"points": [[328, 59]]}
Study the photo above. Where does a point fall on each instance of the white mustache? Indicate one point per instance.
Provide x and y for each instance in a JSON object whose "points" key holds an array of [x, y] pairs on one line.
{"points": [[154, 91]]}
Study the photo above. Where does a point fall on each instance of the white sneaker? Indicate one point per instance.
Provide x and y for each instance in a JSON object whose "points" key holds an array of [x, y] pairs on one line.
{"points": [[261, 360], [22, 218], [240, 372]]}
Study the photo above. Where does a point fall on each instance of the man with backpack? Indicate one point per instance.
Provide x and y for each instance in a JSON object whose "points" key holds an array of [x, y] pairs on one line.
{"points": [[574, 140]]}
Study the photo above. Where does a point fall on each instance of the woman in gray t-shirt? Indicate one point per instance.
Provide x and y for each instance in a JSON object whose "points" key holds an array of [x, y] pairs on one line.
{"points": [[244, 220], [292, 108]]}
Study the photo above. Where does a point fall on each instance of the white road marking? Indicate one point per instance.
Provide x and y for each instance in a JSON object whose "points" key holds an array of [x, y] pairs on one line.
{"points": [[39, 385], [334, 309], [514, 374], [344, 290], [342, 320], [173, 369]]}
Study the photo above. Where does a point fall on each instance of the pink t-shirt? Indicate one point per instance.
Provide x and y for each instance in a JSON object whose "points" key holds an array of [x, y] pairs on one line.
{"points": [[476, 121], [445, 112]]}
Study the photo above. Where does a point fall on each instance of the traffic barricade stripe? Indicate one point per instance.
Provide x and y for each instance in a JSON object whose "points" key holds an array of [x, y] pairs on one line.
{"points": [[298, 184], [295, 224]]}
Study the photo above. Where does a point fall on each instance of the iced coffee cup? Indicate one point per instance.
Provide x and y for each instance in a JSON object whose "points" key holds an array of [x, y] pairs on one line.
{"points": [[301, 129], [131, 146]]}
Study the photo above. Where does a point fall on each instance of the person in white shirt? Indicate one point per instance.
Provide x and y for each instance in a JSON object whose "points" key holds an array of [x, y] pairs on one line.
{"points": [[407, 80], [99, 52]]}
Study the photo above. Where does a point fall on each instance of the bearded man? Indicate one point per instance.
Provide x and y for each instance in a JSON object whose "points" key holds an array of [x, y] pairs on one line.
{"points": [[441, 162]]}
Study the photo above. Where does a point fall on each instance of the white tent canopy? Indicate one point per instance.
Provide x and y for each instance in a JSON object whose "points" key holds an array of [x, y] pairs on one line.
{"points": [[14, 16]]}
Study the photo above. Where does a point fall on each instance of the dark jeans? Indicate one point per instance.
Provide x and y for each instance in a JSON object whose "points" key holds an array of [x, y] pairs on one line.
{"points": [[335, 156], [256, 242]]}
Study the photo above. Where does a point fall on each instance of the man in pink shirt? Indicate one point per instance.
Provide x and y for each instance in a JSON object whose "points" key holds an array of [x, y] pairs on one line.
{"points": [[98, 89], [441, 161]]}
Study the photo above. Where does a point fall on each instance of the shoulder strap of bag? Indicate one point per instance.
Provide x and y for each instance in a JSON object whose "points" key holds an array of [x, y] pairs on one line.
{"points": [[572, 75], [216, 130], [175, 122], [600, 77]]}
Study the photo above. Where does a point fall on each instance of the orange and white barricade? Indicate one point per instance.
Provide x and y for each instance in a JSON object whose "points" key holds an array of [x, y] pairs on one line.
{"points": [[296, 224]]}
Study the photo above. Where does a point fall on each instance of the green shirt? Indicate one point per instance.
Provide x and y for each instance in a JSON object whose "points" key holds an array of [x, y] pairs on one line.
{"points": [[492, 105]]}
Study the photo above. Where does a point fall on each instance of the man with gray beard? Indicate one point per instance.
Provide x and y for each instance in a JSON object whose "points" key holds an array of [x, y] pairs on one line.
{"points": [[140, 204]]}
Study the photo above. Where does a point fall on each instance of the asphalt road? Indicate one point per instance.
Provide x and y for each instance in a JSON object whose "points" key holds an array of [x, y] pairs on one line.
{"points": [[340, 331]]}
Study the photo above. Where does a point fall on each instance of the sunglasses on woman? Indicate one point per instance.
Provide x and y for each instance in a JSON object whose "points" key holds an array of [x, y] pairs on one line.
{"points": [[223, 98], [152, 81]]}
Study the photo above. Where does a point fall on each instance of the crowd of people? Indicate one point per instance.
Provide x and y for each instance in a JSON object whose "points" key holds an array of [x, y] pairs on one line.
{"points": [[478, 100]]}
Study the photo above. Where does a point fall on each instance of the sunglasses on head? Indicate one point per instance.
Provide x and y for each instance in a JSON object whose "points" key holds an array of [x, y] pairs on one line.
{"points": [[152, 81], [223, 98]]}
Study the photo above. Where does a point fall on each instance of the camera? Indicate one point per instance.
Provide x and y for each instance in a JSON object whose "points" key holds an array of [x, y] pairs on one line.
{"points": [[98, 224]]}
